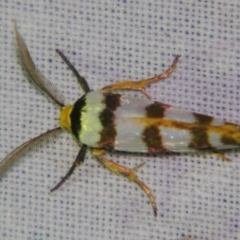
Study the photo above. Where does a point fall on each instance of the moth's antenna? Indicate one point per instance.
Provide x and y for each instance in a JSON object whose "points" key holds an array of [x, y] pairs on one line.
{"points": [[26, 147], [28, 64], [82, 81]]}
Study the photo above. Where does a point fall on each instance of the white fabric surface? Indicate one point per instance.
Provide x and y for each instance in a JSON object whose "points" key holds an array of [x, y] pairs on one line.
{"points": [[197, 195]]}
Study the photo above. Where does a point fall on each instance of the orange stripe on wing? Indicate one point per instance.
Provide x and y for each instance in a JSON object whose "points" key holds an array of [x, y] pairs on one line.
{"points": [[229, 133]]}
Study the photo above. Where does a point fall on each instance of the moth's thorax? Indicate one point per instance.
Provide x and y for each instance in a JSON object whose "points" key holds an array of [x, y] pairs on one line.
{"points": [[91, 114], [91, 124]]}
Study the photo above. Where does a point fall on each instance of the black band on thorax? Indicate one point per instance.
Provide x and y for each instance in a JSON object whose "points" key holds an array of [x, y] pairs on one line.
{"points": [[75, 115]]}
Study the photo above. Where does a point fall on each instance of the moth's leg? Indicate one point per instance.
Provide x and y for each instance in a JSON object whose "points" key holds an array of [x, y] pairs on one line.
{"points": [[79, 159], [222, 156], [126, 172], [80, 78], [142, 84]]}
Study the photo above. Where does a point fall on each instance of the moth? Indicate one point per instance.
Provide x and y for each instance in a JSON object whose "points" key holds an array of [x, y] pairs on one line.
{"points": [[106, 121]]}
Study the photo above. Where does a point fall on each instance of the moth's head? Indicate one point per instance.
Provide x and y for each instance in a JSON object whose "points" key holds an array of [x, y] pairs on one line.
{"points": [[64, 118]]}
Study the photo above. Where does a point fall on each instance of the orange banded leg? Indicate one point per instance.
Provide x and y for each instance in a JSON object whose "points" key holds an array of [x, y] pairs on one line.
{"points": [[142, 84], [127, 172], [222, 156]]}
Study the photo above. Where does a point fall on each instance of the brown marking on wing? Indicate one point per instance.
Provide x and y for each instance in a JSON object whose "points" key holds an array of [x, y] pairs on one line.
{"points": [[156, 110], [107, 118], [203, 119], [109, 132], [112, 101], [200, 139], [228, 140], [152, 138], [232, 137]]}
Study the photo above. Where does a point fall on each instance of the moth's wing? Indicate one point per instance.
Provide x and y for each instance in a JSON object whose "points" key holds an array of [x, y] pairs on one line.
{"points": [[145, 126], [133, 135], [28, 64], [26, 147]]}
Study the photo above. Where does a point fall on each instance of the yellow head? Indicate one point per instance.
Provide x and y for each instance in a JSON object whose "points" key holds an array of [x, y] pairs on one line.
{"points": [[64, 117]]}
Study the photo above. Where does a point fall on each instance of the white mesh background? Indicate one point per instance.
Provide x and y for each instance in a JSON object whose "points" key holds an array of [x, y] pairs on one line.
{"points": [[197, 195]]}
